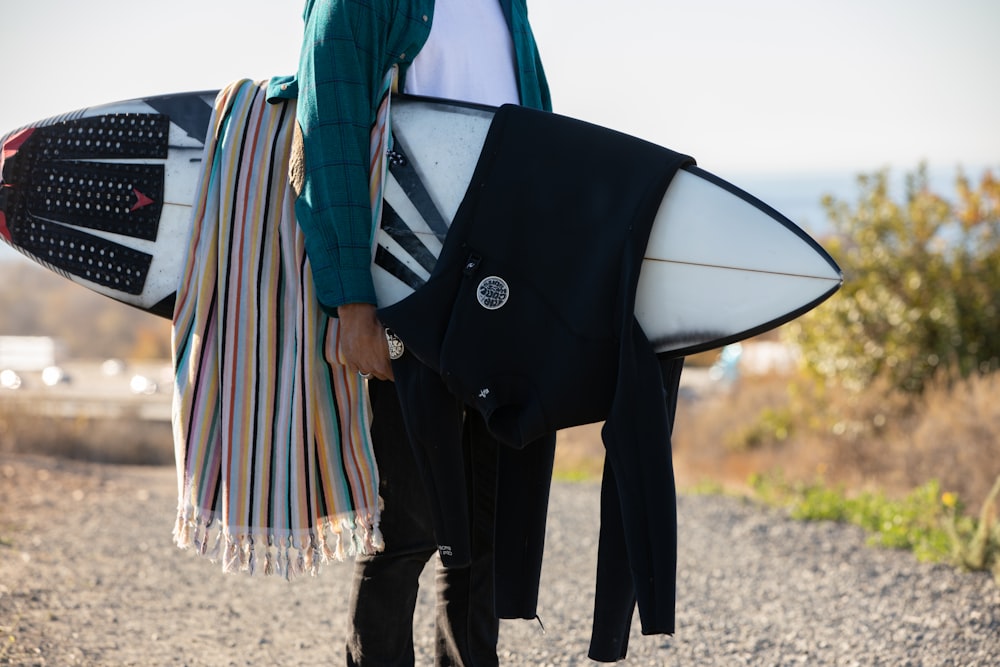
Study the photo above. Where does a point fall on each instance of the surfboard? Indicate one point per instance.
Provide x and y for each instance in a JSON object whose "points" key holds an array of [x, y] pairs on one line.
{"points": [[103, 196], [720, 265]]}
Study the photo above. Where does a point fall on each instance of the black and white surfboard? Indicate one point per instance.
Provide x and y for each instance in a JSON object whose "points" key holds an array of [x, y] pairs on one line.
{"points": [[103, 196], [720, 264]]}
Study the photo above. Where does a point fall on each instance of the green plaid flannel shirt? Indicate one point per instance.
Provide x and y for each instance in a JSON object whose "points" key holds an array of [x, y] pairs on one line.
{"points": [[347, 48]]}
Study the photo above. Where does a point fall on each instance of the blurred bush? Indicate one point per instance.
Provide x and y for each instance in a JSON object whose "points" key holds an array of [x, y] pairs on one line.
{"points": [[921, 294]]}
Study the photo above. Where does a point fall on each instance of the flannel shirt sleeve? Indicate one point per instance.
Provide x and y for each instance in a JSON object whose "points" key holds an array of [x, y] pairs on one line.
{"points": [[339, 69], [532, 83]]}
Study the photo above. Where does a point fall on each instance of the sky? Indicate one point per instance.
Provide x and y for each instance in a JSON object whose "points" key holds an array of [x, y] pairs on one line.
{"points": [[769, 87]]}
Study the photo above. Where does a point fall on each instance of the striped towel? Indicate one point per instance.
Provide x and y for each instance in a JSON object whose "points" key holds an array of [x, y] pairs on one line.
{"points": [[271, 432]]}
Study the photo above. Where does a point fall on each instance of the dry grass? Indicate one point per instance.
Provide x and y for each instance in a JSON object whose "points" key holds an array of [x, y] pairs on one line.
{"points": [[126, 441], [880, 440]]}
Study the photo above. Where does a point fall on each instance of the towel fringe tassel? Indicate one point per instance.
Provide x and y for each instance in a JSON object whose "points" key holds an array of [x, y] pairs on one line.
{"points": [[288, 556]]}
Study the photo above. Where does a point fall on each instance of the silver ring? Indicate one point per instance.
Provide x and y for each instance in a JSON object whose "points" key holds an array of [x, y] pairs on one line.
{"points": [[366, 376]]}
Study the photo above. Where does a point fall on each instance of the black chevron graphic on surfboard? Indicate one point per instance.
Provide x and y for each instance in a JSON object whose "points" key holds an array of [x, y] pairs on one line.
{"points": [[185, 113], [413, 187], [407, 241]]}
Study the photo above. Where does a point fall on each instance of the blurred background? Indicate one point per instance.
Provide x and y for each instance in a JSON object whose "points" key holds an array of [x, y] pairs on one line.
{"points": [[871, 124]]}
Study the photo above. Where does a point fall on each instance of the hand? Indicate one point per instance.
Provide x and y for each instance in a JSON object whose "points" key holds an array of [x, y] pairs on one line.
{"points": [[363, 348]]}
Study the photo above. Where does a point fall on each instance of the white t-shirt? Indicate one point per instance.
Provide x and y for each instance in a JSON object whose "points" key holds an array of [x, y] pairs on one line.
{"points": [[469, 55]]}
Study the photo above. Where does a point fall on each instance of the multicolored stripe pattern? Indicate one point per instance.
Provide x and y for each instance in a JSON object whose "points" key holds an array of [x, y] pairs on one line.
{"points": [[271, 432]]}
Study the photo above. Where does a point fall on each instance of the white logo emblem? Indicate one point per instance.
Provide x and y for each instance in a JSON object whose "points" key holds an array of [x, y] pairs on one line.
{"points": [[493, 293]]}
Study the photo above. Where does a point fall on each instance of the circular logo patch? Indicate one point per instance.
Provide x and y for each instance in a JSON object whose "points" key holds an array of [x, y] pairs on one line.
{"points": [[492, 292]]}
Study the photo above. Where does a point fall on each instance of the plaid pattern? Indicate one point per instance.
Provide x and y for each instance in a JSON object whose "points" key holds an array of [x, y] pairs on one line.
{"points": [[349, 46]]}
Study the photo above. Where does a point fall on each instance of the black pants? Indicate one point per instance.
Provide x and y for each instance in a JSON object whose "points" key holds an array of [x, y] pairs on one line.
{"points": [[384, 590]]}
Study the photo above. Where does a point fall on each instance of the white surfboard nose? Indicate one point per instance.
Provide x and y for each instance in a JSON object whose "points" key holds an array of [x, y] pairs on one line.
{"points": [[703, 220], [721, 266]]}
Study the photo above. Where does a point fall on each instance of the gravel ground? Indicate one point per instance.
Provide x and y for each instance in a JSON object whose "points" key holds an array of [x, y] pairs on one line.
{"points": [[89, 576]]}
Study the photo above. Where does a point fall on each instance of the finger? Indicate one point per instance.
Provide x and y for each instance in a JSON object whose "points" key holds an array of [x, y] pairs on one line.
{"points": [[383, 369]]}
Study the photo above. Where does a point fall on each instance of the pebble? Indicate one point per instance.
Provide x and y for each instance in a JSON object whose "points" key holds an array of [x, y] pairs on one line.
{"points": [[102, 584]]}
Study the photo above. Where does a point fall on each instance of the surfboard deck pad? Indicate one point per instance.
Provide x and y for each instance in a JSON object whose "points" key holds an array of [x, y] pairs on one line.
{"points": [[86, 194]]}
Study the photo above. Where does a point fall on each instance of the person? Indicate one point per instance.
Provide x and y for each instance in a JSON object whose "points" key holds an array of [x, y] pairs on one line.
{"points": [[473, 50]]}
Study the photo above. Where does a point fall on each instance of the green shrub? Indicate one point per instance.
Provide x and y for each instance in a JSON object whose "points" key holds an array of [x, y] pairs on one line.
{"points": [[976, 543], [921, 286], [927, 522], [772, 426]]}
